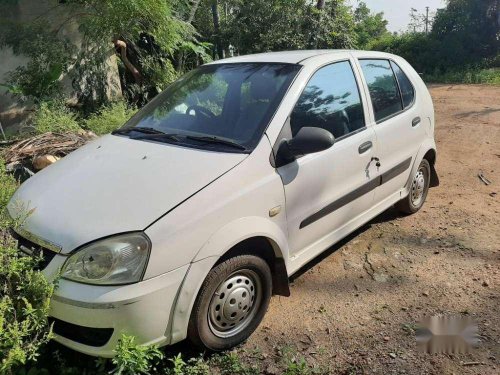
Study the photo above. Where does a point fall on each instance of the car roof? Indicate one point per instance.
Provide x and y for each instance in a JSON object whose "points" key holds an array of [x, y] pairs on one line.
{"points": [[298, 56]]}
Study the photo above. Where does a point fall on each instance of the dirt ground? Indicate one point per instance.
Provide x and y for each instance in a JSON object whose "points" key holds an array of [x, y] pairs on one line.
{"points": [[355, 309]]}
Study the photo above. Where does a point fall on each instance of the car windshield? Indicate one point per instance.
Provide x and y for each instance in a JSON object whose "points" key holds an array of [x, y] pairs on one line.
{"points": [[221, 106]]}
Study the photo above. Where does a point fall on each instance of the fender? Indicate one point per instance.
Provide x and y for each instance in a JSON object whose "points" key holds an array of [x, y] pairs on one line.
{"points": [[206, 258], [240, 230]]}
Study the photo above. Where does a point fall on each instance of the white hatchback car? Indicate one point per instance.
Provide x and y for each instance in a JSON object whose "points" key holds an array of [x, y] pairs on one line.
{"points": [[184, 222]]}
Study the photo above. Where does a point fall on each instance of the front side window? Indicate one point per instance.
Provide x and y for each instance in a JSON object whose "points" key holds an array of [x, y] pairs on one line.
{"points": [[384, 91], [222, 106], [331, 101], [407, 90]]}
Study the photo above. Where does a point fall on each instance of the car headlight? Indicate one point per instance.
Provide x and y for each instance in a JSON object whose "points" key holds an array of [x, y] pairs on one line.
{"points": [[116, 260]]}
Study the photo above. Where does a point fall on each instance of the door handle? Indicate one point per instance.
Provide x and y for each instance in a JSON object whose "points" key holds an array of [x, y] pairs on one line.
{"points": [[365, 147], [416, 121]]}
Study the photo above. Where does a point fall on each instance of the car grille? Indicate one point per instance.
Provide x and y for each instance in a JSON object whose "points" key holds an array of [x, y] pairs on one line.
{"points": [[29, 248]]}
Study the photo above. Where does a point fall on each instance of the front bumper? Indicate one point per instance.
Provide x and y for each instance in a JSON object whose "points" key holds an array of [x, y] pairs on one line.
{"points": [[142, 310]]}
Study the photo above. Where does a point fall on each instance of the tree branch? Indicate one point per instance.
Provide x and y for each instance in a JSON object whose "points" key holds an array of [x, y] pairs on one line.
{"points": [[123, 56]]}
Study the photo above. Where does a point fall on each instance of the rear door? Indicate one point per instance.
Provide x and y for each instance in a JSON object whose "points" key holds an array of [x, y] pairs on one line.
{"points": [[326, 190], [398, 123]]}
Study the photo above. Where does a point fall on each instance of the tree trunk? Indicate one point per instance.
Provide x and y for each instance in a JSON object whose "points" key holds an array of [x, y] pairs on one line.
{"points": [[179, 66], [192, 12], [320, 5], [216, 18]]}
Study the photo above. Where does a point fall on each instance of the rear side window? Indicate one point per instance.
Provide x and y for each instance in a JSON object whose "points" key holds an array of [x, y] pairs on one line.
{"points": [[383, 88], [330, 101], [407, 90]]}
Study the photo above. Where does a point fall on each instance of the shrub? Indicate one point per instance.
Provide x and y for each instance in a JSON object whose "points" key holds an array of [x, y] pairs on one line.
{"points": [[109, 118], [54, 117], [134, 359], [25, 295]]}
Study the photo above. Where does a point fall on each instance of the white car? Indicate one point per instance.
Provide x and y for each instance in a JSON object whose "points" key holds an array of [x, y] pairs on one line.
{"points": [[184, 222]]}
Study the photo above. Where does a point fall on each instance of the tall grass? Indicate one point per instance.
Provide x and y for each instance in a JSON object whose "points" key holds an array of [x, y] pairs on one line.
{"points": [[466, 76]]}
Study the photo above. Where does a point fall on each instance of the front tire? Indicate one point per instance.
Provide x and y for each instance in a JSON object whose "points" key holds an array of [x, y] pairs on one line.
{"points": [[231, 303], [419, 188]]}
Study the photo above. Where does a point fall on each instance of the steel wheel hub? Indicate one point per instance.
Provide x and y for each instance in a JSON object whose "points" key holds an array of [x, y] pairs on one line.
{"points": [[417, 188], [234, 303]]}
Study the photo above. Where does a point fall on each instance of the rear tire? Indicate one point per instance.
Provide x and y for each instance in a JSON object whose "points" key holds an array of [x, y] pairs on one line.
{"points": [[231, 303], [419, 188]]}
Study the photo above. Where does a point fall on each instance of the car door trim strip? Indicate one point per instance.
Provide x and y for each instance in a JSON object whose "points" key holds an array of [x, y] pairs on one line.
{"points": [[357, 193]]}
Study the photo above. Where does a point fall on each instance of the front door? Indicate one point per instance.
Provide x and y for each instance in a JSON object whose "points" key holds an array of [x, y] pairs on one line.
{"points": [[326, 190]]}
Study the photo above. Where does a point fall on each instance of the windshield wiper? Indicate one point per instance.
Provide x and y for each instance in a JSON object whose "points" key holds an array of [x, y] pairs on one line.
{"points": [[213, 139], [157, 137], [144, 130]]}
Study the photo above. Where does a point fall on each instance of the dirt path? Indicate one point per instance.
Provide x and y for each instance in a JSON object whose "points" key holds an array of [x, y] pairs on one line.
{"points": [[354, 310]]}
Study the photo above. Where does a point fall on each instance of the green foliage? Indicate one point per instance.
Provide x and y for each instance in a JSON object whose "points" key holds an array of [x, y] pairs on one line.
{"points": [[104, 20], [230, 363], [152, 34], [25, 294], [57, 118], [7, 187], [132, 359], [369, 26], [54, 117], [468, 30], [108, 118], [260, 25], [193, 366], [464, 37], [297, 368]]}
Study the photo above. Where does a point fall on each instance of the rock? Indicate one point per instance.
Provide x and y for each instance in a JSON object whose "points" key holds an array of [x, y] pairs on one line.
{"points": [[380, 277], [44, 161], [392, 355], [386, 338], [425, 294]]}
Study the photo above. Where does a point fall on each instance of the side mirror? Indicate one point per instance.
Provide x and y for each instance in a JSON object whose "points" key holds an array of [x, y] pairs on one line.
{"points": [[308, 140]]}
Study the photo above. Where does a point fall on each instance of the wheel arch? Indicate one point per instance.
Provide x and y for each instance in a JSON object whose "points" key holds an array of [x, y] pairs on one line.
{"points": [[268, 250], [270, 244], [427, 151]]}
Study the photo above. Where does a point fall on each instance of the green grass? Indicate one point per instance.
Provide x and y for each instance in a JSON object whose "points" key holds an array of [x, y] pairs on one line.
{"points": [[467, 76], [54, 117], [108, 118], [57, 118]]}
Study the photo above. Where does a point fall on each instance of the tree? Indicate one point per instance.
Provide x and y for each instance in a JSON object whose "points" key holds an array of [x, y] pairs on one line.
{"points": [[369, 26], [263, 25], [146, 34], [468, 30]]}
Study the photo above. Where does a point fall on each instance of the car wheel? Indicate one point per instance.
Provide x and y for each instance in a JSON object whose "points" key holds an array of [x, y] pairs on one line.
{"points": [[231, 303], [418, 190]]}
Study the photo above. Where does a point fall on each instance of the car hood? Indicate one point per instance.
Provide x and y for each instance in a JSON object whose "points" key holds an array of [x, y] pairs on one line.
{"points": [[113, 185]]}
